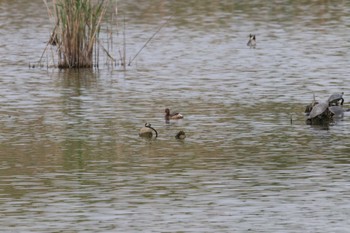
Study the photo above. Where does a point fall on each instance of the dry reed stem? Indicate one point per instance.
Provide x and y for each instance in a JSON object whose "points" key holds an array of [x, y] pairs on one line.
{"points": [[77, 29]]}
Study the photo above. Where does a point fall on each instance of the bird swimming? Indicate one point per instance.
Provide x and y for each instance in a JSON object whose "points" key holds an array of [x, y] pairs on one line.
{"points": [[172, 116], [252, 41], [180, 135]]}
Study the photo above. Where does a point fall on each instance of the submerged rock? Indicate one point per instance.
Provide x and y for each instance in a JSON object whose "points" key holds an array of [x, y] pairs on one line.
{"points": [[309, 107], [147, 131], [320, 114]]}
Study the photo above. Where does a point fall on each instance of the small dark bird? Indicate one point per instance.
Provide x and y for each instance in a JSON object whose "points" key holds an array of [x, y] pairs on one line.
{"points": [[252, 41], [180, 135]]}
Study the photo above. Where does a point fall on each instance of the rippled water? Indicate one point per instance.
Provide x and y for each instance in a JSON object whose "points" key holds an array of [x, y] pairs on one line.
{"points": [[71, 157]]}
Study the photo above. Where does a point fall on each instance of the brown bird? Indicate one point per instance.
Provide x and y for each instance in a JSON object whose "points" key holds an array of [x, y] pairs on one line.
{"points": [[172, 116]]}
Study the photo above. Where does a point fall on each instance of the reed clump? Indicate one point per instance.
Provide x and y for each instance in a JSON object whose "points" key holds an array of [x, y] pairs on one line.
{"points": [[76, 31]]}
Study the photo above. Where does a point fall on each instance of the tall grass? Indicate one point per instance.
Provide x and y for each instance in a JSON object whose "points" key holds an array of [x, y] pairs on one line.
{"points": [[76, 31]]}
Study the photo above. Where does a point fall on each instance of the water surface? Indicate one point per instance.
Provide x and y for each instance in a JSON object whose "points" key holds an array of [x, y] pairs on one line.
{"points": [[71, 157]]}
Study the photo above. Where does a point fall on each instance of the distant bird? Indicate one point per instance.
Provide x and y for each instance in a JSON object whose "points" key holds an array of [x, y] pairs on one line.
{"points": [[252, 41], [172, 116], [180, 135]]}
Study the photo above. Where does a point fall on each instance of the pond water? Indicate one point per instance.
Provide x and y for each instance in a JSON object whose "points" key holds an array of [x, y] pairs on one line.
{"points": [[72, 160]]}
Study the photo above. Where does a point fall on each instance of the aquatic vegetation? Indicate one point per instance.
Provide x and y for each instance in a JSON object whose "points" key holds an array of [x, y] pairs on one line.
{"points": [[76, 31]]}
